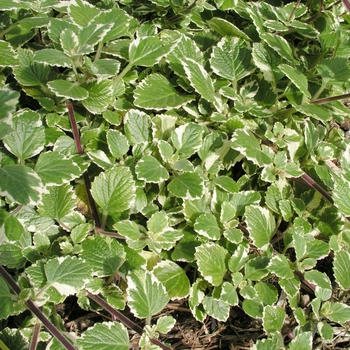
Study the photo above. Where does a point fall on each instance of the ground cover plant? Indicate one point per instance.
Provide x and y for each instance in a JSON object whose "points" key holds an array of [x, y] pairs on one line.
{"points": [[170, 157]]}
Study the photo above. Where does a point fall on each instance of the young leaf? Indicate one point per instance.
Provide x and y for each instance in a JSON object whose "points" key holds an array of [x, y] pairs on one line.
{"points": [[20, 184], [341, 265], [114, 189], [117, 143], [211, 260], [156, 92], [149, 169], [187, 185], [28, 137], [146, 295], [207, 226], [302, 341], [199, 79], [136, 126], [173, 278], [58, 202], [261, 225], [273, 318], [165, 324], [108, 336], [64, 88], [216, 308], [103, 255], [297, 78]]}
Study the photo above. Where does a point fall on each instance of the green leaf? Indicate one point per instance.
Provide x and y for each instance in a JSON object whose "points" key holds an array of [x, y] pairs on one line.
{"points": [[216, 308], [137, 126], [64, 88], [20, 184], [8, 101], [108, 336], [341, 194], [174, 279], [99, 96], [117, 143], [323, 289], [6, 300], [8, 55], [315, 111], [335, 70], [58, 202], [273, 318], [279, 265], [297, 78], [11, 255], [69, 41], [150, 170], [226, 28], [199, 79], [302, 341], [281, 45], [246, 143], [52, 57], [261, 225], [339, 312], [82, 13], [28, 137], [207, 226], [226, 183], [128, 229], [114, 189], [211, 260], [341, 266], [187, 186], [165, 324], [238, 259], [103, 255], [155, 92], [231, 59], [187, 139], [55, 168], [147, 51], [146, 295]]}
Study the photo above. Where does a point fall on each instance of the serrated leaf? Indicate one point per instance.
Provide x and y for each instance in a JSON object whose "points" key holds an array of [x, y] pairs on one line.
{"points": [[20, 184], [64, 88], [238, 259], [216, 308], [8, 101], [128, 229], [11, 255], [297, 78], [58, 202], [147, 51], [341, 194], [165, 324], [146, 295], [187, 185], [335, 70], [156, 92], [103, 255], [339, 312], [279, 265], [199, 79], [226, 183], [281, 45], [173, 278], [28, 137], [8, 55], [69, 41], [114, 189], [104, 67], [302, 341], [6, 300], [261, 225], [117, 143], [187, 139], [273, 318], [52, 57], [149, 169], [99, 96], [341, 265], [226, 28], [108, 336], [246, 143], [323, 289], [82, 13], [137, 126], [231, 59], [315, 111], [55, 168], [207, 226], [211, 260]]}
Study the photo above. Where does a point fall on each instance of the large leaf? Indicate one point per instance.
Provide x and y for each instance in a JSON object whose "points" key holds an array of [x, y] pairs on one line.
{"points": [[261, 225], [6, 300], [117, 143], [8, 55], [335, 70], [156, 92], [137, 126], [207, 226], [114, 189], [187, 185], [67, 89], [146, 295], [149, 169], [273, 318], [82, 13], [52, 57], [99, 96]]}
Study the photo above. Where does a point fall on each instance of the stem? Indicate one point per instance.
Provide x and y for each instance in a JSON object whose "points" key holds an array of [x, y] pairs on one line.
{"points": [[124, 71], [319, 92], [98, 52], [322, 101], [35, 336], [35, 310]]}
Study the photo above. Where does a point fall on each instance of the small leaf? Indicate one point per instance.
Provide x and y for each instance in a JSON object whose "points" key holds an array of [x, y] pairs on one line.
{"points": [[149, 169], [82, 13], [297, 78], [6, 300], [302, 341], [64, 88], [341, 194], [315, 111], [103, 255], [8, 55], [226, 28], [52, 57], [339, 312], [335, 70], [165, 324], [207, 226], [261, 225], [273, 318], [216, 308], [146, 295], [226, 183], [341, 265], [20, 184], [99, 96], [137, 126], [108, 336], [117, 143], [199, 79], [323, 289], [279, 265], [187, 185], [155, 92], [173, 278], [114, 189], [211, 260], [58, 202]]}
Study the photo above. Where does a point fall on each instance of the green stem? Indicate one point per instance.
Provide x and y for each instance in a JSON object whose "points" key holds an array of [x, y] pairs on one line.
{"points": [[98, 52], [319, 92], [124, 71]]}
